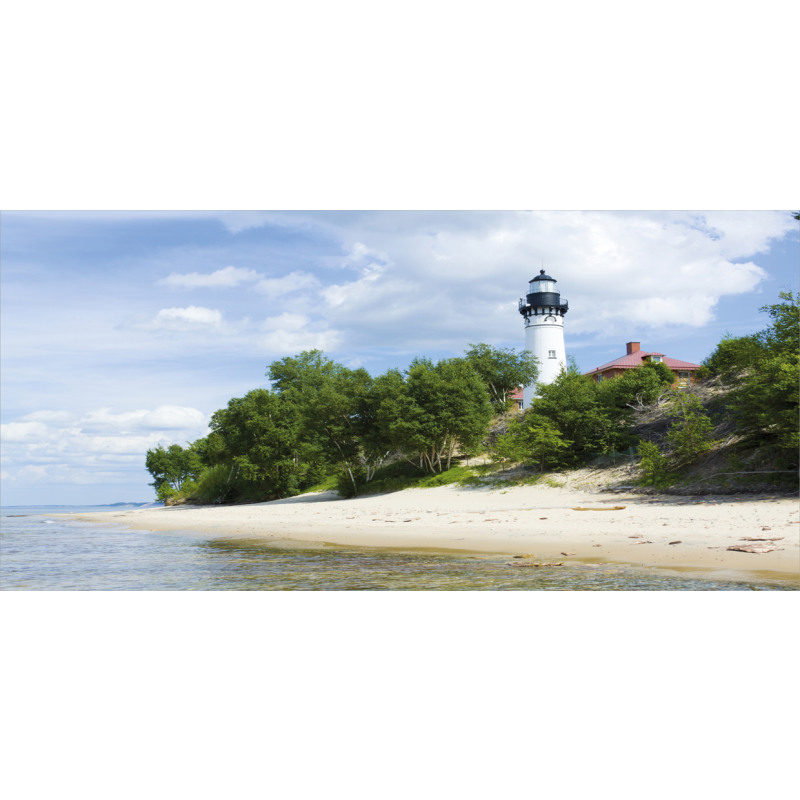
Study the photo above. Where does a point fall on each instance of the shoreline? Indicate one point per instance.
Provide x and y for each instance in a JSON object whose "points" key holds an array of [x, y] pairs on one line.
{"points": [[567, 524]]}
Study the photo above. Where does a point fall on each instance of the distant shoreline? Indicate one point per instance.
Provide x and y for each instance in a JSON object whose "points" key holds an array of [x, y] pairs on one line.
{"points": [[542, 523]]}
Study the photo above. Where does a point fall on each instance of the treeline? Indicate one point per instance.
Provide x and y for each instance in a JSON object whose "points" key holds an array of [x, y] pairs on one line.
{"points": [[321, 418]]}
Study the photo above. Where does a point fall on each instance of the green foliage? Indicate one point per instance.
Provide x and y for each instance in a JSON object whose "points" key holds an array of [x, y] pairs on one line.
{"points": [[257, 437], [581, 412], [337, 413], [734, 355], [533, 440], [764, 399], [434, 411], [171, 466], [326, 484], [653, 464], [502, 370], [637, 388], [690, 434], [165, 492], [402, 475], [783, 334], [460, 475], [215, 484]]}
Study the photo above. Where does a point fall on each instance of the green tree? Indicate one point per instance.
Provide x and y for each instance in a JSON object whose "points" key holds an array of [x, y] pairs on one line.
{"points": [[575, 406], [502, 370], [690, 434], [653, 463], [258, 437], [734, 355], [533, 439], [171, 467], [337, 412], [764, 399], [435, 410], [637, 388]]}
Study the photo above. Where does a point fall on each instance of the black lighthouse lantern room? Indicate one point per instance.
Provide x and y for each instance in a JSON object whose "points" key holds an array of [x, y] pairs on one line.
{"points": [[542, 298]]}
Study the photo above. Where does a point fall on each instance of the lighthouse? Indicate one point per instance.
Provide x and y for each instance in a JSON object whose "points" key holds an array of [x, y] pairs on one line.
{"points": [[543, 311]]}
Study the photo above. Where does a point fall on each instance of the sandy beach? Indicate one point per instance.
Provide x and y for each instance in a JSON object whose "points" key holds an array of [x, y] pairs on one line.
{"points": [[543, 523]]}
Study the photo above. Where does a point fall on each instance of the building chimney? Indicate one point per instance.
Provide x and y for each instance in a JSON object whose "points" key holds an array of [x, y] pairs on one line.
{"points": [[632, 347]]}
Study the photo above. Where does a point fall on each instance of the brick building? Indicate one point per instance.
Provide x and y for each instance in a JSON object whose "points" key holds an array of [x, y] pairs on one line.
{"points": [[636, 357]]}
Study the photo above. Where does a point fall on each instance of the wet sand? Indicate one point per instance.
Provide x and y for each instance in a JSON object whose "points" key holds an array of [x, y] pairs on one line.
{"points": [[678, 533]]}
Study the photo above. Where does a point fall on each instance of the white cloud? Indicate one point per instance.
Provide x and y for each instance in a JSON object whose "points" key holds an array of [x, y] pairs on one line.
{"points": [[23, 431], [79, 448], [291, 333], [163, 418], [297, 281], [223, 278], [189, 318], [445, 278]]}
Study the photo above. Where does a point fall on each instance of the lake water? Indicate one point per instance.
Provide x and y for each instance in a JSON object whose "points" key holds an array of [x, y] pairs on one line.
{"points": [[41, 553]]}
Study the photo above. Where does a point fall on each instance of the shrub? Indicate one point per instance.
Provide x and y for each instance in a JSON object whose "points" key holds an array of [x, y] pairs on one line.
{"points": [[653, 464]]}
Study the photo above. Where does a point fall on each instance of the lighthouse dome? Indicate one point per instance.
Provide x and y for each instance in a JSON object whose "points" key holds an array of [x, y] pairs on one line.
{"points": [[542, 283]]}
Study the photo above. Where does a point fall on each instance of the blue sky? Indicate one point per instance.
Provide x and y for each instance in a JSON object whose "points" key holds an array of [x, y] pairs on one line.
{"points": [[123, 330]]}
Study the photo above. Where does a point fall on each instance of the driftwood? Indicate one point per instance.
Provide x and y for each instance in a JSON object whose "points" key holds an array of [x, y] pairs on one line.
{"points": [[537, 564], [753, 548], [609, 508], [758, 539]]}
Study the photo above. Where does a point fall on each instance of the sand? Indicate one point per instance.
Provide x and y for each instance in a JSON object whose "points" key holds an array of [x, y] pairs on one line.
{"points": [[668, 532]]}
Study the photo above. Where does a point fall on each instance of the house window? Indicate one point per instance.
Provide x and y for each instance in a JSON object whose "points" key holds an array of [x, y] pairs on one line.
{"points": [[551, 353], [600, 377], [656, 359], [683, 379]]}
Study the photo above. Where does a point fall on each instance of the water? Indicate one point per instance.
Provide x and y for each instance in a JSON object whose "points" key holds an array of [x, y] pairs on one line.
{"points": [[40, 553]]}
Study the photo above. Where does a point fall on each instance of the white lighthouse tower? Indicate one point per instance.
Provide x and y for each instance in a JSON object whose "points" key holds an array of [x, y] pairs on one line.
{"points": [[543, 310]]}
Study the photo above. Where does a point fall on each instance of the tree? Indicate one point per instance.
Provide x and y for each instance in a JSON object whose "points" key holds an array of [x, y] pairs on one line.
{"points": [[734, 355], [653, 463], [764, 399], [433, 411], [337, 413], [533, 439], [690, 434], [575, 406], [171, 467], [502, 370], [637, 388], [258, 437]]}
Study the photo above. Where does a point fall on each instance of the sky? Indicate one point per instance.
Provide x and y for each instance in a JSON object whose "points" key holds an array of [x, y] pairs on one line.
{"points": [[124, 330]]}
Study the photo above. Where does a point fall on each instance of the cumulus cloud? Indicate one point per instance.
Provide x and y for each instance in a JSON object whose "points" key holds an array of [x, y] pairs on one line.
{"points": [[23, 431], [290, 333], [79, 448], [185, 319], [223, 278], [441, 277]]}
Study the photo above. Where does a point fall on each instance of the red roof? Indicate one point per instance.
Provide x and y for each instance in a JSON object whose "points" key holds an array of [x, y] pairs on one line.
{"points": [[516, 394], [637, 359]]}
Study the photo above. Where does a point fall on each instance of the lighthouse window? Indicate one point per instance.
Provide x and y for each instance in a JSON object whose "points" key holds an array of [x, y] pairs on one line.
{"points": [[551, 353]]}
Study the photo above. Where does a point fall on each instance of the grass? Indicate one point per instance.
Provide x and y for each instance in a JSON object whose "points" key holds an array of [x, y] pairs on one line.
{"points": [[325, 485], [401, 475]]}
